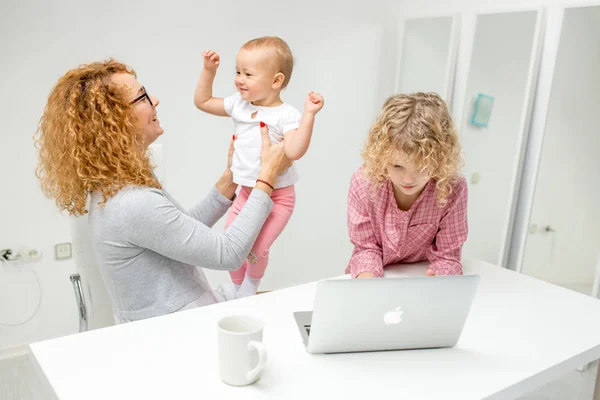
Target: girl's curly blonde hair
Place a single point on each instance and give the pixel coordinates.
(86, 139)
(419, 125)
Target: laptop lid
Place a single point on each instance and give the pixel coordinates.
(390, 313)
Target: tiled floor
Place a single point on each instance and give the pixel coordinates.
(18, 381)
(574, 386)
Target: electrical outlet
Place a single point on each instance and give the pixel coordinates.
(63, 251)
(30, 255)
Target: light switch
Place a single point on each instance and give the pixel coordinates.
(475, 178)
(63, 251)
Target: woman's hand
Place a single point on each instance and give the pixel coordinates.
(230, 155)
(225, 184)
(273, 161)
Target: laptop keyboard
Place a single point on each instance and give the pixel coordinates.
(307, 327)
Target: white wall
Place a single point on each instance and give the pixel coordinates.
(30, 57)
(470, 7)
(567, 191)
(346, 54)
(426, 43)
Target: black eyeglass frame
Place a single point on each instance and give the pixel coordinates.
(141, 97)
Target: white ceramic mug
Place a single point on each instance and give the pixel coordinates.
(242, 355)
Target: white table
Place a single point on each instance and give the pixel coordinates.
(521, 334)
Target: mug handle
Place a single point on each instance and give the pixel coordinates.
(262, 359)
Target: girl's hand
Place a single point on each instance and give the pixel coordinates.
(430, 272)
(211, 60)
(366, 275)
(314, 103)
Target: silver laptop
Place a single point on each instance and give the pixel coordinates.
(352, 315)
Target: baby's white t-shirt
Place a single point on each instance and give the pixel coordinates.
(246, 157)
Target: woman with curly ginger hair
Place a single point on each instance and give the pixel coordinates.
(408, 202)
(92, 143)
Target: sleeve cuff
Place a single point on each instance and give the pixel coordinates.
(290, 127)
(219, 198)
(264, 198)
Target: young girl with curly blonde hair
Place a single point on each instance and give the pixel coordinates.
(408, 202)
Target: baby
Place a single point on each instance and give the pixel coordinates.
(263, 69)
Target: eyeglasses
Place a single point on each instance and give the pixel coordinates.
(141, 97)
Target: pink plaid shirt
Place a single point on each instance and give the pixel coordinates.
(382, 234)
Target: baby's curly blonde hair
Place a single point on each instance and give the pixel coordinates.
(86, 139)
(419, 125)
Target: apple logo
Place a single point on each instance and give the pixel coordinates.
(393, 317)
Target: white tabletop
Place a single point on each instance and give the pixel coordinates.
(521, 333)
